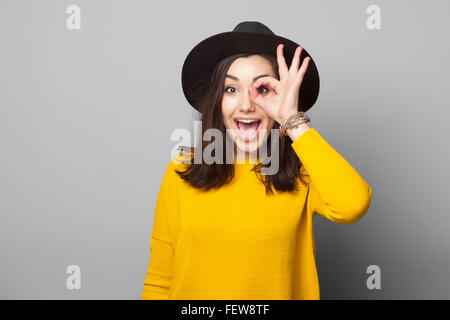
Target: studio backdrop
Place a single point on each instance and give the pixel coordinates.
(91, 94)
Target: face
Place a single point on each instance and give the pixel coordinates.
(246, 122)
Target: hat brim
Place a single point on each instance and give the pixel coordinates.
(202, 59)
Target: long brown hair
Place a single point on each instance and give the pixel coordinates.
(207, 176)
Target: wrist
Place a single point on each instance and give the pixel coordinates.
(283, 119)
(293, 121)
(297, 131)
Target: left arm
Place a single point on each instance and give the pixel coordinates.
(337, 191)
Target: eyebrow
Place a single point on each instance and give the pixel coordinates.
(237, 79)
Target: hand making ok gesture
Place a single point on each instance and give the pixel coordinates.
(284, 102)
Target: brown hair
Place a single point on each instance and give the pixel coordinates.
(207, 176)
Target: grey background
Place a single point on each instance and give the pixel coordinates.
(86, 117)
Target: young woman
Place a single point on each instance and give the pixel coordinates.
(225, 230)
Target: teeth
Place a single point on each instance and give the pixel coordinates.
(247, 121)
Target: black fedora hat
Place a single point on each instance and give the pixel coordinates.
(246, 37)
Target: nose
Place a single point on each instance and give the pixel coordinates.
(247, 104)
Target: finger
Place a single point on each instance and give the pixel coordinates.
(258, 98)
(282, 67)
(270, 82)
(302, 71)
(296, 60)
(304, 66)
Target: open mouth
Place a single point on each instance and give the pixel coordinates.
(247, 130)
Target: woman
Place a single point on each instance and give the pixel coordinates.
(225, 230)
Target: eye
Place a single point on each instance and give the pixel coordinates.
(226, 89)
(264, 88)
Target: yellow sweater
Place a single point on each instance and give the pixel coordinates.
(236, 242)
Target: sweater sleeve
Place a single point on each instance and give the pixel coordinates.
(336, 190)
(159, 275)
